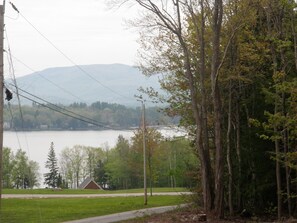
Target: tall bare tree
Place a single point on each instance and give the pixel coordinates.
(170, 17)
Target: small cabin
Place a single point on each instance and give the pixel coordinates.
(89, 183)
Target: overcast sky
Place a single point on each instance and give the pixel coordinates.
(86, 31)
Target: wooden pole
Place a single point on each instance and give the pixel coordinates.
(144, 153)
(1, 98)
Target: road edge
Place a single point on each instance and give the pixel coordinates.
(128, 214)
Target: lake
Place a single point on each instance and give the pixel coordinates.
(37, 143)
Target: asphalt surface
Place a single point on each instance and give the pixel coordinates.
(128, 215)
(28, 196)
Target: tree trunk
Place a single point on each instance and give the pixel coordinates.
(203, 151)
(285, 131)
(288, 181)
(278, 178)
(238, 152)
(230, 172)
(219, 159)
(204, 120)
(270, 25)
(77, 181)
(293, 24)
(175, 26)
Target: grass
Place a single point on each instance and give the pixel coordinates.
(59, 210)
(74, 191)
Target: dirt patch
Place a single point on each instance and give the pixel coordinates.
(177, 216)
(192, 214)
(184, 215)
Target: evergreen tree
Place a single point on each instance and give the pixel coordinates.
(61, 183)
(51, 178)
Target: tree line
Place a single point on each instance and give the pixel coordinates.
(230, 74)
(18, 171)
(170, 163)
(98, 115)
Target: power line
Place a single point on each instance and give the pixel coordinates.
(39, 74)
(64, 113)
(12, 74)
(53, 106)
(67, 57)
(12, 119)
(74, 115)
(11, 68)
(60, 109)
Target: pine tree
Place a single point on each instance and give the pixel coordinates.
(51, 178)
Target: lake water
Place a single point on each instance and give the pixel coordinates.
(36, 144)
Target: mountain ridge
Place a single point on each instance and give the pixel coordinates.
(112, 83)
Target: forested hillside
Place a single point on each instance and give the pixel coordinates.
(80, 116)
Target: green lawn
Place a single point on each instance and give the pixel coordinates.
(73, 191)
(59, 210)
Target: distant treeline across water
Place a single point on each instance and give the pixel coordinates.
(80, 116)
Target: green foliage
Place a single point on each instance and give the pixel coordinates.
(169, 162)
(118, 168)
(51, 178)
(7, 165)
(258, 106)
(18, 170)
(40, 118)
(257, 82)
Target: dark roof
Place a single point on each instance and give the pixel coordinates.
(86, 182)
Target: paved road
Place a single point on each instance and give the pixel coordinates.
(127, 215)
(28, 196)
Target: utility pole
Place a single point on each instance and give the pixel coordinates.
(1, 96)
(144, 153)
(144, 147)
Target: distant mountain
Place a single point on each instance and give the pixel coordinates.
(113, 83)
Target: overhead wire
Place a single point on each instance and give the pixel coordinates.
(49, 105)
(65, 56)
(64, 113)
(52, 107)
(12, 74)
(53, 83)
(12, 119)
(11, 68)
(59, 109)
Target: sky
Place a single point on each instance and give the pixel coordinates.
(85, 31)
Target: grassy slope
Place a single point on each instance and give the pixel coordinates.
(59, 210)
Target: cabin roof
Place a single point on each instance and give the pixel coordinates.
(87, 181)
